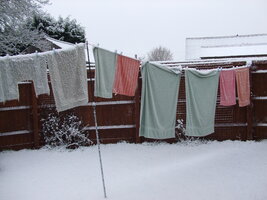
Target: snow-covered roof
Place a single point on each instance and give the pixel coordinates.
(59, 43)
(226, 46)
(215, 61)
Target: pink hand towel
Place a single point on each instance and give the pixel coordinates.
(126, 76)
(227, 88)
(243, 86)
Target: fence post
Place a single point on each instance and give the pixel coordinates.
(250, 112)
(35, 122)
(137, 110)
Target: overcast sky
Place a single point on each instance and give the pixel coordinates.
(136, 26)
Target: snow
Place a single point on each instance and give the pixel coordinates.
(61, 44)
(238, 45)
(188, 170)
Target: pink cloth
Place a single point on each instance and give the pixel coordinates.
(243, 86)
(227, 88)
(126, 76)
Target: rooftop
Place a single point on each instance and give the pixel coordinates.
(254, 45)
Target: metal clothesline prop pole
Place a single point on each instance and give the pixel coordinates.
(96, 129)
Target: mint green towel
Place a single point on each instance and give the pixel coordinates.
(105, 64)
(159, 98)
(201, 96)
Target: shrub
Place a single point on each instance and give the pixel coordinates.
(64, 130)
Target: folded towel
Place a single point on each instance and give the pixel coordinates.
(158, 101)
(105, 63)
(126, 76)
(21, 68)
(243, 86)
(201, 95)
(68, 75)
(227, 88)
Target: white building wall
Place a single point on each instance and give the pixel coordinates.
(196, 48)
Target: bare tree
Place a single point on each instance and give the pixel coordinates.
(13, 32)
(14, 11)
(159, 54)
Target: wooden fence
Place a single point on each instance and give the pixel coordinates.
(118, 118)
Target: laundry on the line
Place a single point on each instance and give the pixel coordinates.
(67, 68)
(201, 96)
(243, 86)
(160, 86)
(114, 73)
(227, 88)
(68, 77)
(14, 69)
(118, 74)
(126, 76)
(105, 65)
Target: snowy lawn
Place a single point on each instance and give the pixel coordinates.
(214, 170)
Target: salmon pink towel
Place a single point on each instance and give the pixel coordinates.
(227, 88)
(126, 76)
(243, 86)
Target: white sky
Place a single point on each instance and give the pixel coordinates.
(137, 26)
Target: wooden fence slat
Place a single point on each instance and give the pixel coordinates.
(249, 135)
(35, 120)
(137, 111)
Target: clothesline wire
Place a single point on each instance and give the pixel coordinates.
(96, 128)
(111, 51)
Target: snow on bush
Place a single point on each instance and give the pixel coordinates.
(64, 131)
(180, 129)
(181, 137)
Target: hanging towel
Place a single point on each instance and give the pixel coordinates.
(227, 88)
(201, 95)
(67, 70)
(105, 62)
(21, 68)
(126, 76)
(2, 95)
(243, 86)
(2, 67)
(158, 101)
(41, 86)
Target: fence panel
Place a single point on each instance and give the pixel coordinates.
(118, 118)
(16, 121)
(259, 99)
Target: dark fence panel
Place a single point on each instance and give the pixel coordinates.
(259, 98)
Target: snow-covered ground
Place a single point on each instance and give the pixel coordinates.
(214, 170)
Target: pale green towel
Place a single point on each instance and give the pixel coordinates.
(105, 65)
(160, 86)
(201, 96)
